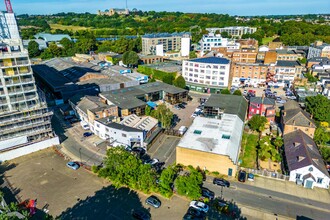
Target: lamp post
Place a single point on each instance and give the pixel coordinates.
(80, 155)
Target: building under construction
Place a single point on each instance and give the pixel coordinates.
(25, 124)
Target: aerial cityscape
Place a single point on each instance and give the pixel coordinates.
(164, 110)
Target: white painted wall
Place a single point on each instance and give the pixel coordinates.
(206, 74)
(185, 46)
(9, 155)
(160, 50)
(316, 173)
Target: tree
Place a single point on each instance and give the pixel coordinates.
(267, 151)
(168, 78)
(192, 55)
(123, 168)
(166, 181)
(148, 110)
(225, 91)
(277, 142)
(164, 115)
(311, 78)
(180, 82)
(237, 92)
(130, 58)
(189, 185)
(321, 136)
(33, 48)
(319, 107)
(325, 152)
(257, 123)
(225, 35)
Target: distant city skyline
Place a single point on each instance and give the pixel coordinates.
(233, 7)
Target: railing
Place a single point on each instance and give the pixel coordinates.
(267, 173)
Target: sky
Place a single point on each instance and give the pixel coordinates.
(231, 7)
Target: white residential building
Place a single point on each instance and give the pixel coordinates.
(209, 72)
(287, 71)
(304, 162)
(212, 40)
(118, 133)
(235, 31)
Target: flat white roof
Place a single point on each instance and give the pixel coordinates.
(217, 136)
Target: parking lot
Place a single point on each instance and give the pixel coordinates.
(79, 194)
(164, 149)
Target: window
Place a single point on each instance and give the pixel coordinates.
(319, 180)
(197, 131)
(123, 135)
(298, 175)
(97, 125)
(107, 129)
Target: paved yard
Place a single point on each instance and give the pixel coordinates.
(164, 149)
(79, 194)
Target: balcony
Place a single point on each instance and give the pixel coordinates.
(4, 55)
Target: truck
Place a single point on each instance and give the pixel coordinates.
(182, 130)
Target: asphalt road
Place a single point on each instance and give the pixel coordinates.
(271, 201)
(73, 142)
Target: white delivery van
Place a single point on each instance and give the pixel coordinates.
(182, 130)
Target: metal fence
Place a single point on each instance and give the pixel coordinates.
(267, 173)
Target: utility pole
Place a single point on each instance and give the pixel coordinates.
(126, 4)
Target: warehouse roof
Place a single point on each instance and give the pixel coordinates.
(230, 104)
(127, 98)
(216, 136)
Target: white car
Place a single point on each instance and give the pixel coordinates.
(201, 206)
(152, 161)
(193, 115)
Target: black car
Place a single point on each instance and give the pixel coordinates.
(141, 215)
(181, 106)
(139, 151)
(153, 201)
(221, 182)
(242, 176)
(87, 134)
(193, 213)
(206, 193)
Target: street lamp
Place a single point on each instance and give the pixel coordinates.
(80, 155)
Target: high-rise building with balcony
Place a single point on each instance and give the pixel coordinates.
(25, 121)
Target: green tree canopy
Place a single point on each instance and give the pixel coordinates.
(166, 181)
(130, 58)
(192, 55)
(237, 92)
(319, 107)
(189, 185)
(164, 115)
(180, 82)
(321, 136)
(257, 123)
(267, 151)
(225, 91)
(33, 48)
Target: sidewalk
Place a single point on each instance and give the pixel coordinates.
(287, 187)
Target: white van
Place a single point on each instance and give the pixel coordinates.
(84, 125)
(182, 130)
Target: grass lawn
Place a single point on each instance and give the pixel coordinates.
(67, 27)
(266, 40)
(248, 153)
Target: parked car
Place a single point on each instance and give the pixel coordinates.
(68, 117)
(194, 115)
(221, 182)
(141, 215)
(74, 120)
(241, 176)
(152, 162)
(201, 206)
(189, 216)
(182, 106)
(206, 193)
(73, 165)
(251, 177)
(177, 107)
(195, 213)
(139, 151)
(153, 201)
(87, 134)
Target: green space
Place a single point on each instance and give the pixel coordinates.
(248, 154)
(266, 40)
(67, 27)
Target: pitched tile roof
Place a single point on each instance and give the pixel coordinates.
(260, 100)
(301, 151)
(294, 115)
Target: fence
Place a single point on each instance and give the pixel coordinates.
(267, 173)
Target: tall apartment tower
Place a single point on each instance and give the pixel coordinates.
(25, 124)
